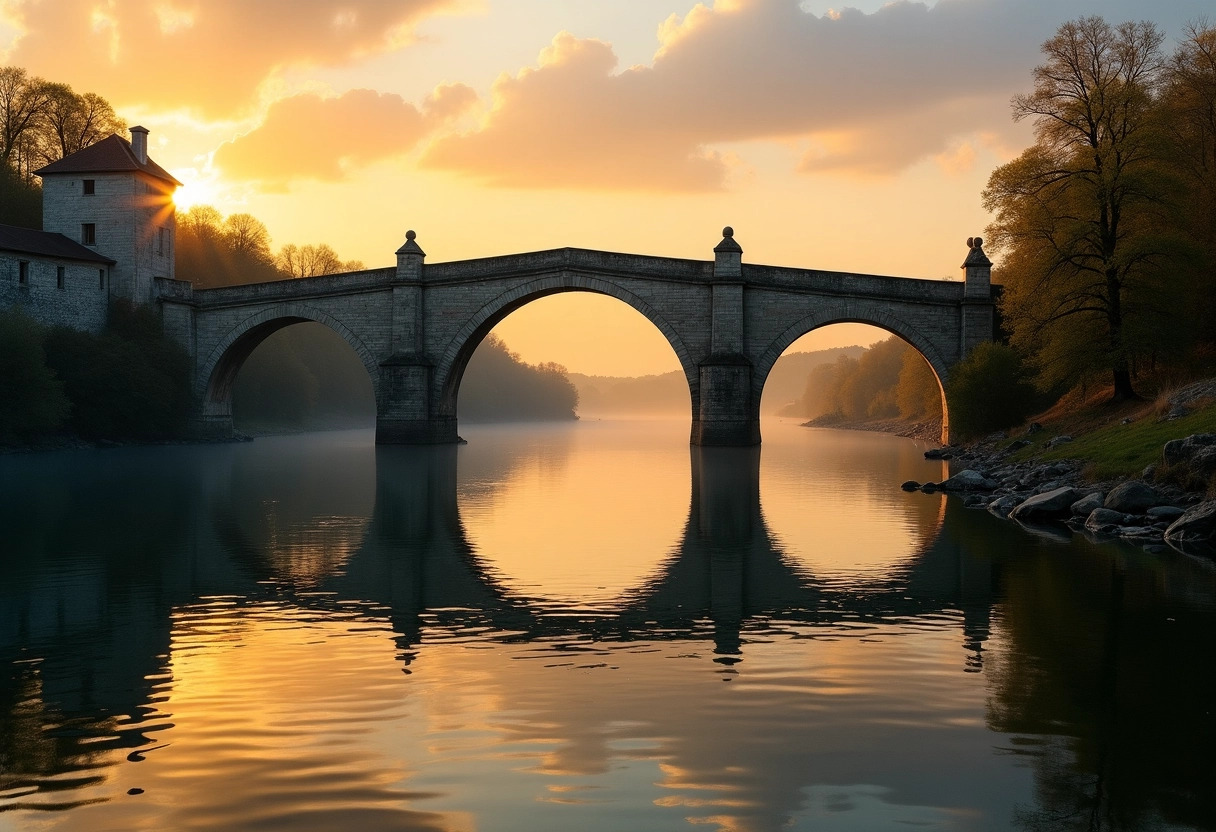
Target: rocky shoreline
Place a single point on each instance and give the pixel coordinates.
(1039, 495)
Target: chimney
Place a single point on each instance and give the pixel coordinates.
(139, 143)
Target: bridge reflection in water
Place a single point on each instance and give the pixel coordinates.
(125, 577)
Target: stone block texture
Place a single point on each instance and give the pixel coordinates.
(415, 330)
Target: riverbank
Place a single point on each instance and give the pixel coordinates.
(929, 430)
(1144, 472)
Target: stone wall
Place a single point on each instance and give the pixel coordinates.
(128, 210)
(82, 303)
(416, 327)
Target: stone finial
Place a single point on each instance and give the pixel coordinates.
(728, 257)
(975, 253)
(977, 271)
(409, 258)
(411, 247)
(728, 241)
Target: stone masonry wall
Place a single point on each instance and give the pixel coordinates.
(127, 210)
(82, 303)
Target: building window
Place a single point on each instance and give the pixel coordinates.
(59, 277)
(89, 186)
(101, 278)
(23, 272)
(160, 246)
(88, 233)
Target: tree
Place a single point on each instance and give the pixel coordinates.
(309, 260)
(989, 390)
(1082, 213)
(72, 122)
(1189, 104)
(918, 394)
(247, 236)
(23, 100)
(31, 397)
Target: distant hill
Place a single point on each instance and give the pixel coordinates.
(667, 394)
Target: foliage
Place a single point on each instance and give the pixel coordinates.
(989, 390)
(498, 387)
(20, 201)
(887, 380)
(32, 401)
(918, 394)
(1189, 115)
(312, 261)
(214, 250)
(1088, 216)
(130, 382)
(41, 121)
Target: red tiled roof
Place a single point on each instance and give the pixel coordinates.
(112, 154)
(46, 244)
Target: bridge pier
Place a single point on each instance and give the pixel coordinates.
(725, 415)
(404, 412)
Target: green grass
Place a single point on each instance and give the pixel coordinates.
(1122, 450)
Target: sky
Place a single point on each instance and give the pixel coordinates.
(850, 138)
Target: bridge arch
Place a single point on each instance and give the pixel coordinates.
(218, 372)
(455, 358)
(880, 318)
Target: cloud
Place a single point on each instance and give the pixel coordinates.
(310, 136)
(571, 122)
(208, 56)
(872, 93)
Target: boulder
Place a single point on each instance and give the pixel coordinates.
(1058, 441)
(928, 487)
(1048, 505)
(938, 453)
(1170, 513)
(1183, 451)
(1195, 529)
(968, 480)
(1133, 497)
(1085, 505)
(1102, 520)
(1033, 427)
(910, 485)
(1001, 506)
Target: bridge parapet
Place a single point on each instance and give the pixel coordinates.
(569, 259)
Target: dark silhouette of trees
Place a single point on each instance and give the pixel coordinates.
(41, 122)
(989, 390)
(1085, 217)
(499, 387)
(32, 401)
(72, 122)
(214, 250)
(1189, 104)
(313, 261)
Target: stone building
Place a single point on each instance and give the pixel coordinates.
(109, 231)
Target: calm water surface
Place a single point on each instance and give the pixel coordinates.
(580, 626)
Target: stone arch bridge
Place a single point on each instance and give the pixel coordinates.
(416, 326)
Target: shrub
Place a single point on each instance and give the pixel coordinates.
(32, 401)
(989, 390)
(128, 383)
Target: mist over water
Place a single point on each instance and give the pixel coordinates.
(584, 625)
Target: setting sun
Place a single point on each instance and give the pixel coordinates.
(195, 191)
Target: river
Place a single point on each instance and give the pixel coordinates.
(581, 626)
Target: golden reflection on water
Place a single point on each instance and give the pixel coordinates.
(326, 647)
(831, 498)
(577, 518)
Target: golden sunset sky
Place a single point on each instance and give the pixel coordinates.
(842, 138)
